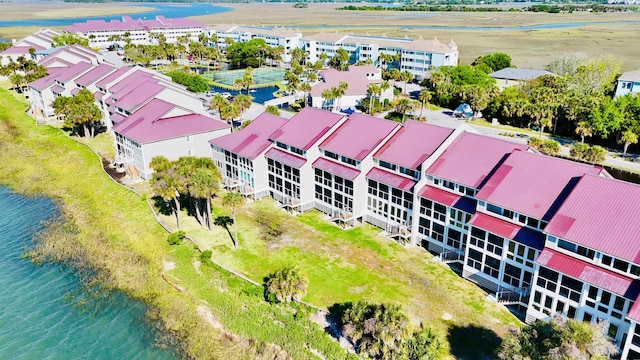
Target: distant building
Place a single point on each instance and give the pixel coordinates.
(515, 76)
(101, 34)
(628, 83)
(357, 78)
(287, 38)
(417, 56)
(39, 41)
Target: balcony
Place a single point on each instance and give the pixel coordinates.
(513, 296)
(450, 256)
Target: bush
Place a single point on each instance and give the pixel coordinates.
(579, 150)
(176, 237)
(205, 256)
(550, 147)
(593, 154)
(287, 284)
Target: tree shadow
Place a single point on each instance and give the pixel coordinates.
(162, 206)
(224, 221)
(473, 342)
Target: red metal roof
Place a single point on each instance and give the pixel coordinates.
(355, 76)
(533, 184)
(75, 91)
(336, 169)
(601, 214)
(151, 123)
(470, 159)
(112, 77)
(253, 139)
(634, 312)
(438, 195)
(358, 136)
(138, 95)
(394, 180)
(57, 89)
(95, 74)
(306, 127)
(584, 271)
(285, 158)
(412, 144)
(508, 230)
(73, 71)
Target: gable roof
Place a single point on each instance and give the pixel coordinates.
(306, 127)
(94, 74)
(128, 23)
(601, 214)
(151, 123)
(46, 81)
(355, 77)
(112, 77)
(253, 139)
(633, 75)
(73, 71)
(138, 94)
(519, 74)
(358, 136)
(413, 144)
(470, 159)
(533, 184)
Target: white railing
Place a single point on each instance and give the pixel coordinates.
(513, 296)
(449, 256)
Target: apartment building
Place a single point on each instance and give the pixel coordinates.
(240, 156)
(289, 39)
(102, 34)
(417, 56)
(41, 40)
(542, 235)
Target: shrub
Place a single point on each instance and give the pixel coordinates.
(550, 147)
(579, 150)
(593, 154)
(287, 284)
(205, 256)
(176, 237)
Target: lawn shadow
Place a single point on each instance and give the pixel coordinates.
(224, 221)
(473, 342)
(162, 206)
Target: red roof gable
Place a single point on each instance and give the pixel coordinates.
(438, 195)
(634, 312)
(533, 184)
(306, 127)
(150, 123)
(336, 169)
(94, 74)
(412, 144)
(591, 274)
(470, 159)
(112, 77)
(394, 180)
(508, 230)
(355, 77)
(358, 136)
(253, 139)
(139, 95)
(601, 214)
(285, 158)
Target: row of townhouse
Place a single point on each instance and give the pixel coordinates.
(39, 41)
(148, 114)
(543, 235)
(417, 56)
(103, 34)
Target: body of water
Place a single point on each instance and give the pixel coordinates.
(41, 316)
(166, 10)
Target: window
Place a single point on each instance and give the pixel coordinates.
(547, 279)
(474, 259)
(189, 138)
(492, 267)
(570, 288)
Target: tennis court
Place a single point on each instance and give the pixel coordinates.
(260, 76)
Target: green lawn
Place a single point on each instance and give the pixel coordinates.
(348, 265)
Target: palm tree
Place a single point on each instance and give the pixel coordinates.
(233, 200)
(405, 77)
(243, 101)
(246, 80)
(424, 97)
(166, 183)
(584, 129)
(287, 284)
(372, 90)
(628, 137)
(218, 102)
(404, 105)
(340, 90)
(229, 112)
(306, 87)
(328, 95)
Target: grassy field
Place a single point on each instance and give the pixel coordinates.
(348, 265)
